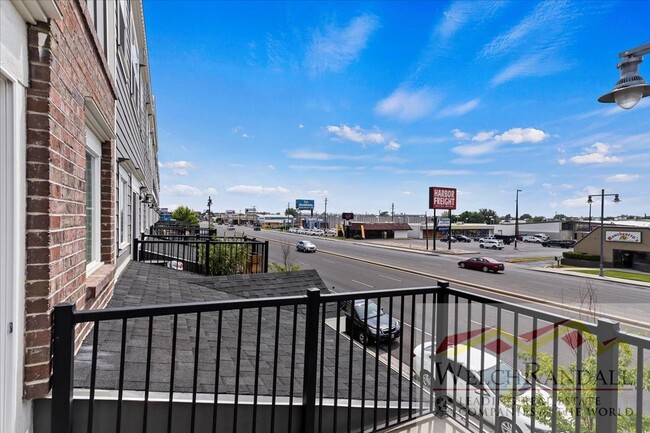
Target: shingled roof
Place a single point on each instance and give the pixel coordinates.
(146, 284)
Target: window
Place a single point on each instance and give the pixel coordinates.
(93, 203)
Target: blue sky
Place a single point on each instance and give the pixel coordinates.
(371, 103)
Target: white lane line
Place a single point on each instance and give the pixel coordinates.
(390, 278)
(329, 261)
(363, 284)
(303, 264)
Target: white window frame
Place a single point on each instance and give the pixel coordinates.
(97, 131)
(94, 150)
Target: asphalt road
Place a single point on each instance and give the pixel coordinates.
(351, 266)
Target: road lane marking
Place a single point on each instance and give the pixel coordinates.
(389, 278)
(329, 261)
(363, 284)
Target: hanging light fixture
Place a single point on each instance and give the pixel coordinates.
(631, 87)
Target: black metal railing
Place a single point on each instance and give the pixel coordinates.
(204, 255)
(293, 364)
(170, 228)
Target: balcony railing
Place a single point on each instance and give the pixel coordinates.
(291, 364)
(203, 254)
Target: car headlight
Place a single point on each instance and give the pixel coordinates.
(372, 330)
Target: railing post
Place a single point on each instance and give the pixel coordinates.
(63, 367)
(311, 361)
(607, 376)
(207, 258)
(136, 241)
(266, 257)
(441, 345)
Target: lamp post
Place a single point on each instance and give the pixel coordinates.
(517, 217)
(631, 87)
(209, 212)
(590, 201)
(602, 219)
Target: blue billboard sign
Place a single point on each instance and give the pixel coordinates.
(304, 204)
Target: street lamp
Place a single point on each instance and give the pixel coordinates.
(590, 201)
(602, 218)
(517, 217)
(209, 212)
(631, 87)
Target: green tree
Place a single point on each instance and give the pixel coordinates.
(291, 211)
(525, 216)
(186, 215)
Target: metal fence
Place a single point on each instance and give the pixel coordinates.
(296, 364)
(203, 255)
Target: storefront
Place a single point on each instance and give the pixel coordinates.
(623, 247)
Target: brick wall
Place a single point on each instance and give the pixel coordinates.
(65, 67)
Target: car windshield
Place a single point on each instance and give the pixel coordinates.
(372, 310)
(503, 379)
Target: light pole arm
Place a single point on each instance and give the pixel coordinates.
(638, 51)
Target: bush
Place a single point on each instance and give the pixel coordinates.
(357, 237)
(227, 259)
(581, 256)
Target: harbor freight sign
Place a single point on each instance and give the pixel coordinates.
(442, 198)
(304, 204)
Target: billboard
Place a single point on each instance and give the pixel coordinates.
(444, 222)
(302, 204)
(442, 198)
(230, 212)
(623, 236)
(250, 210)
(347, 216)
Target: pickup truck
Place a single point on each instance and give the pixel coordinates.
(559, 243)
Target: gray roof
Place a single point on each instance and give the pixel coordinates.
(145, 284)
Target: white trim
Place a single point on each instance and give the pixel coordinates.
(33, 11)
(96, 121)
(13, 412)
(93, 147)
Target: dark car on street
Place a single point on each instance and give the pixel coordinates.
(559, 243)
(377, 327)
(484, 264)
(446, 239)
(463, 238)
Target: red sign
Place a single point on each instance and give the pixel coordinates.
(442, 198)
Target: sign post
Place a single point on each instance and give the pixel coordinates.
(442, 198)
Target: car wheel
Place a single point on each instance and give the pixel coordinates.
(481, 246)
(462, 265)
(426, 379)
(494, 247)
(485, 269)
(363, 338)
(505, 426)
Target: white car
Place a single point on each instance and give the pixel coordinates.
(494, 244)
(465, 379)
(532, 239)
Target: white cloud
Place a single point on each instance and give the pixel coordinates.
(598, 153)
(319, 167)
(257, 190)
(575, 202)
(523, 135)
(356, 134)
(408, 105)
(407, 193)
(392, 145)
(318, 193)
(301, 126)
(460, 134)
(461, 13)
(177, 167)
(336, 48)
(484, 136)
(622, 178)
(561, 161)
(459, 110)
(244, 135)
(475, 149)
(323, 156)
(540, 64)
(181, 190)
(211, 191)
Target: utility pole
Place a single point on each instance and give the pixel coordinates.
(209, 212)
(326, 226)
(517, 217)
(392, 212)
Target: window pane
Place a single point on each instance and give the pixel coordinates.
(89, 207)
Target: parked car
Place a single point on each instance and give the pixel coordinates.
(231, 227)
(477, 374)
(494, 244)
(484, 264)
(306, 247)
(533, 239)
(463, 238)
(446, 239)
(257, 228)
(559, 243)
(378, 327)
